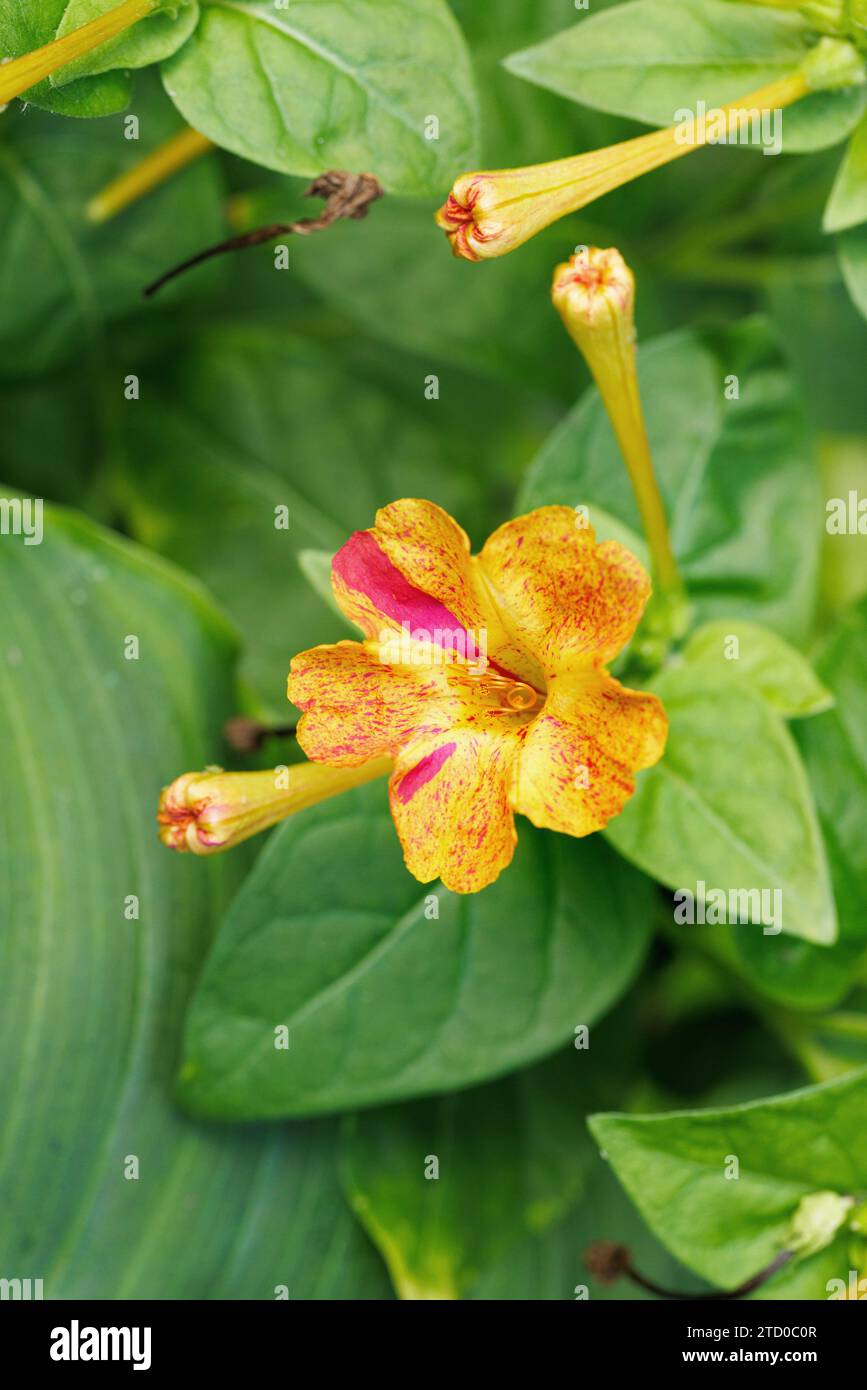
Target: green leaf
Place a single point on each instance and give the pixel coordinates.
(674, 1168)
(312, 87)
(738, 477)
(25, 27)
(649, 58)
(794, 973)
(835, 752)
(61, 278)
(152, 39)
(729, 805)
(847, 205)
(445, 1187)
(394, 274)
(315, 565)
(255, 407)
(826, 341)
(763, 662)
(522, 124)
(549, 1266)
(331, 937)
(852, 251)
(833, 1044)
(50, 448)
(94, 997)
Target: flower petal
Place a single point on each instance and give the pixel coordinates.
(574, 602)
(356, 707)
(414, 571)
(574, 770)
(360, 702)
(450, 803)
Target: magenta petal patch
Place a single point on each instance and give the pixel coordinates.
(417, 776)
(362, 566)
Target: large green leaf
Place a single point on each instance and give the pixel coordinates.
(795, 973)
(521, 123)
(445, 1187)
(835, 752)
(25, 27)
(395, 274)
(674, 1168)
(650, 58)
(852, 250)
(93, 997)
(825, 339)
(50, 446)
(847, 205)
(247, 423)
(738, 475)
(152, 39)
(760, 660)
(729, 805)
(331, 938)
(549, 1266)
(309, 87)
(62, 279)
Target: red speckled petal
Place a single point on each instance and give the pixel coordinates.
(450, 803)
(572, 602)
(355, 707)
(413, 570)
(574, 770)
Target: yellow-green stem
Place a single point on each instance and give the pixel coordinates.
(25, 72)
(182, 149)
(618, 388)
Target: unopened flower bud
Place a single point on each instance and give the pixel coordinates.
(491, 212)
(816, 1222)
(205, 812)
(594, 293)
(833, 65)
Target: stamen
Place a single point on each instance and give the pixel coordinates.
(522, 696)
(514, 694)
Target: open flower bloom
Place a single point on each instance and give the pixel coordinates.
(491, 212)
(484, 679)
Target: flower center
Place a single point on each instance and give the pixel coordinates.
(510, 695)
(457, 214)
(520, 696)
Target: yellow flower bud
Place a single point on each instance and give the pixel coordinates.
(492, 212)
(594, 293)
(205, 812)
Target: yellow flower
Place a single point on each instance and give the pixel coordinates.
(491, 212)
(205, 812)
(484, 679)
